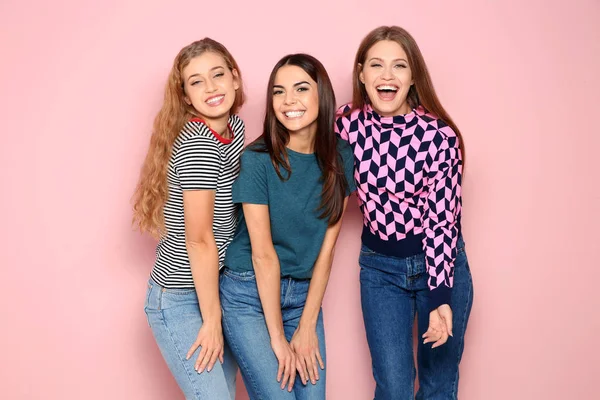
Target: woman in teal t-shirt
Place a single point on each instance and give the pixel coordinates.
(293, 184)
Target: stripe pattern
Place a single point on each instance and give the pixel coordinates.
(201, 159)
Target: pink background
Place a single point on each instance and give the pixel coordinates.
(80, 84)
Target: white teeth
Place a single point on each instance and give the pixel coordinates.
(215, 99)
(387, 87)
(294, 114)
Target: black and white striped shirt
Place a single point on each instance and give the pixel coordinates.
(201, 159)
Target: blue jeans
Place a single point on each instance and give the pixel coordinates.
(392, 291)
(246, 331)
(174, 316)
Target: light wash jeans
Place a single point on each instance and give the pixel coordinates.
(246, 331)
(174, 316)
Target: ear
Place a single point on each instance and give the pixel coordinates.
(236, 79)
(361, 75)
(187, 100)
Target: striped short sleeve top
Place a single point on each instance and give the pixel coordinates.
(201, 159)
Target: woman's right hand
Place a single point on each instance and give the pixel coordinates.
(286, 373)
(210, 341)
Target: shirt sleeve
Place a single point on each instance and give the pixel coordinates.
(339, 128)
(197, 162)
(251, 185)
(348, 163)
(440, 220)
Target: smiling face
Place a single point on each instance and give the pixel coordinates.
(210, 86)
(295, 99)
(387, 77)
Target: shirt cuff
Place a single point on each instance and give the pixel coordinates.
(438, 296)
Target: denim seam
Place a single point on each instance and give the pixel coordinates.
(287, 293)
(178, 353)
(461, 345)
(414, 371)
(241, 362)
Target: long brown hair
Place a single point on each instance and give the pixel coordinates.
(152, 190)
(275, 137)
(421, 93)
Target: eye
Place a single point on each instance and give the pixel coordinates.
(220, 74)
(195, 83)
(302, 89)
(277, 91)
(374, 65)
(400, 66)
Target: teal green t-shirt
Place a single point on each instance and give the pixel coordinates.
(296, 229)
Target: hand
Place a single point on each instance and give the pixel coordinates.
(305, 344)
(286, 374)
(440, 326)
(210, 340)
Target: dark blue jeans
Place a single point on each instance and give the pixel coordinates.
(392, 291)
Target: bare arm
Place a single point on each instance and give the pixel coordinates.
(266, 266)
(268, 279)
(305, 341)
(203, 254)
(320, 276)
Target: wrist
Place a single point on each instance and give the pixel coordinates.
(307, 324)
(278, 337)
(212, 318)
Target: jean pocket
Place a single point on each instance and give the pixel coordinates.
(239, 276)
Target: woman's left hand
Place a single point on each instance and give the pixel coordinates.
(305, 344)
(440, 326)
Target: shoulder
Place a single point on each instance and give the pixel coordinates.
(442, 135)
(432, 122)
(237, 124)
(344, 149)
(195, 131)
(253, 156)
(347, 113)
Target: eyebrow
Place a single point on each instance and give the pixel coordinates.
(212, 69)
(379, 59)
(295, 84)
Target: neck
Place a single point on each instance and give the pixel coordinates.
(303, 141)
(404, 109)
(219, 125)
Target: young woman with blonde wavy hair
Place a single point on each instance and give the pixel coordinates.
(184, 198)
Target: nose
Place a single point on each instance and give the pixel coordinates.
(210, 86)
(289, 98)
(387, 74)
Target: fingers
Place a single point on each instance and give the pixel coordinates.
(289, 373)
(443, 337)
(203, 359)
(213, 359)
(301, 367)
(192, 349)
(221, 355)
(313, 371)
(280, 373)
(431, 335)
(203, 351)
(292, 376)
(320, 359)
(286, 372)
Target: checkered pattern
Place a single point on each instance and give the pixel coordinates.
(408, 172)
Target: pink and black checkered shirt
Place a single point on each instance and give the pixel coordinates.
(408, 171)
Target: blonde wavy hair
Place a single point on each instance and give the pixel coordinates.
(151, 192)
